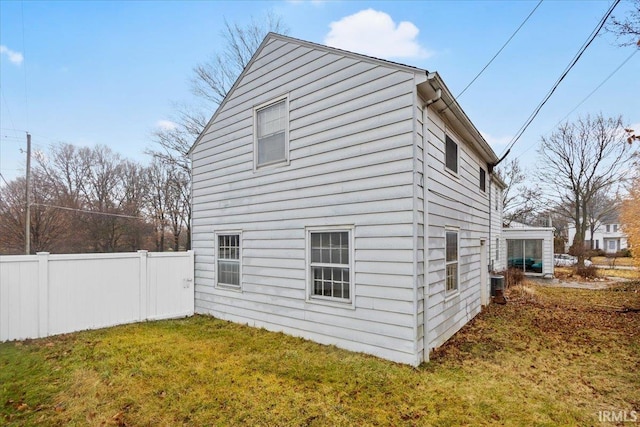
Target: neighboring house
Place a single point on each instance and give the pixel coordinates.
(344, 199)
(607, 236)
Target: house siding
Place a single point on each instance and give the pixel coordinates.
(352, 162)
(496, 258)
(453, 201)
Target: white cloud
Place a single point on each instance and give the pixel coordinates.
(15, 57)
(496, 141)
(166, 124)
(374, 33)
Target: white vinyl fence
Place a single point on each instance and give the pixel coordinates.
(43, 294)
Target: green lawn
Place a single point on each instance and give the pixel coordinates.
(549, 357)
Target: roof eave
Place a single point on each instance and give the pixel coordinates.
(447, 106)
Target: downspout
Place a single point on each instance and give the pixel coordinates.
(425, 210)
(490, 244)
(414, 214)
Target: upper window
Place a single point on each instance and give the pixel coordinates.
(271, 133)
(615, 228)
(228, 263)
(330, 264)
(451, 154)
(483, 180)
(451, 251)
(608, 228)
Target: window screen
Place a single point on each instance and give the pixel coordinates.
(229, 259)
(271, 134)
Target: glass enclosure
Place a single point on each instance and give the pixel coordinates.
(525, 254)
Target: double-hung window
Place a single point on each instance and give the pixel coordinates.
(451, 155)
(330, 264)
(483, 180)
(451, 253)
(271, 126)
(228, 251)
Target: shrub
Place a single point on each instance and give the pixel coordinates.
(624, 253)
(512, 276)
(595, 252)
(589, 272)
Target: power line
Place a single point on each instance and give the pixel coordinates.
(585, 98)
(597, 87)
(573, 62)
(86, 211)
(5, 181)
(501, 49)
(494, 57)
(11, 128)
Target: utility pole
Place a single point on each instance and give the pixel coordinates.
(27, 221)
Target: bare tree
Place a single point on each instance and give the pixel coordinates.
(579, 160)
(520, 201)
(213, 79)
(47, 225)
(210, 83)
(627, 29)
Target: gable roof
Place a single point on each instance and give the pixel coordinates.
(273, 36)
(448, 104)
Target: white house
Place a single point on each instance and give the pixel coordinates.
(344, 199)
(607, 236)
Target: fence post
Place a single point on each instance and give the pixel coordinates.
(143, 285)
(4, 308)
(192, 273)
(43, 294)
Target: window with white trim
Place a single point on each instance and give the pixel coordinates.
(483, 180)
(271, 133)
(451, 252)
(228, 264)
(330, 264)
(451, 154)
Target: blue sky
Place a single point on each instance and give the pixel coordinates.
(107, 72)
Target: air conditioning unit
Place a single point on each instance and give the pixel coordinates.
(497, 286)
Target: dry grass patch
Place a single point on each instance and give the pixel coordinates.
(619, 261)
(549, 357)
(622, 274)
